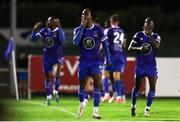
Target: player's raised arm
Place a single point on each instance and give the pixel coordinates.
(35, 33)
(60, 31)
(79, 31)
(61, 35)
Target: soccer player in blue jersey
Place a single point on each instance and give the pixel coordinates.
(117, 42)
(53, 37)
(90, 37)
(145, 43)
(105, 75)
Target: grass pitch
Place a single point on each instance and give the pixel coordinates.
(163, 109)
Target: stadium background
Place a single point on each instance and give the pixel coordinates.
(132, 13)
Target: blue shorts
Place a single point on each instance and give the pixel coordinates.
(86, 70)
(48, 62)
(118, 65)
(23, 76)
(146, 71)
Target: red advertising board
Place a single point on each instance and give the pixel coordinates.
(69, 75)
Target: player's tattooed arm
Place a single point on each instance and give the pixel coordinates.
(155, 43)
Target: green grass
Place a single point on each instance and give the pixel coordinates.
(35, 110)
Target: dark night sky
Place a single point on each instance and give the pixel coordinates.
(166, 6)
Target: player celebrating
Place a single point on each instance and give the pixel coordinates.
(90, 37)
(117, 43)
(145, 44)
(53, 37)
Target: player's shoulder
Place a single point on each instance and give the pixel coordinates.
(121, 30)
(155, 34)
(43, 30)
(139, 33)
(98, 27)
(76, 28)
(107, 30)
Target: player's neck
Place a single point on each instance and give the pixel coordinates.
(52, 28)
(114, 26)
(148, 34)
(89, 25)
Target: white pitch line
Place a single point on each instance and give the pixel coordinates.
(55, 107)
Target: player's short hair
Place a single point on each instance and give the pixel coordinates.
(149, 20)
(91, 11)
(51, 18)
(115, 18)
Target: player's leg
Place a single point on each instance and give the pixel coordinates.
(114, 89)
(118, 71)
(151, 94)
(134, 94)
(119, 86)
(48, 87)
(47, 72)
(83, 74)
(123, 92)
(56, 74)
(121, 69)
(105, 85)
(25, 81)
(97, 94)
(88, 89)
(20, 83)
(81, 95)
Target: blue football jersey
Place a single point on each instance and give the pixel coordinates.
(148, 59)
(90, 44)
(52, 40)
(115, 38)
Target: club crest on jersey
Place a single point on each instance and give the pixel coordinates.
(49, 42)
(149, 48)
(88, 43)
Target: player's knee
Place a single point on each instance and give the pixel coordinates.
(117, 76)
(106, 74)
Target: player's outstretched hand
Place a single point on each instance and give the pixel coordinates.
(38, 26)
(57, 22)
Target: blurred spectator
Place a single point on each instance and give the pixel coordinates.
(22, 62)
